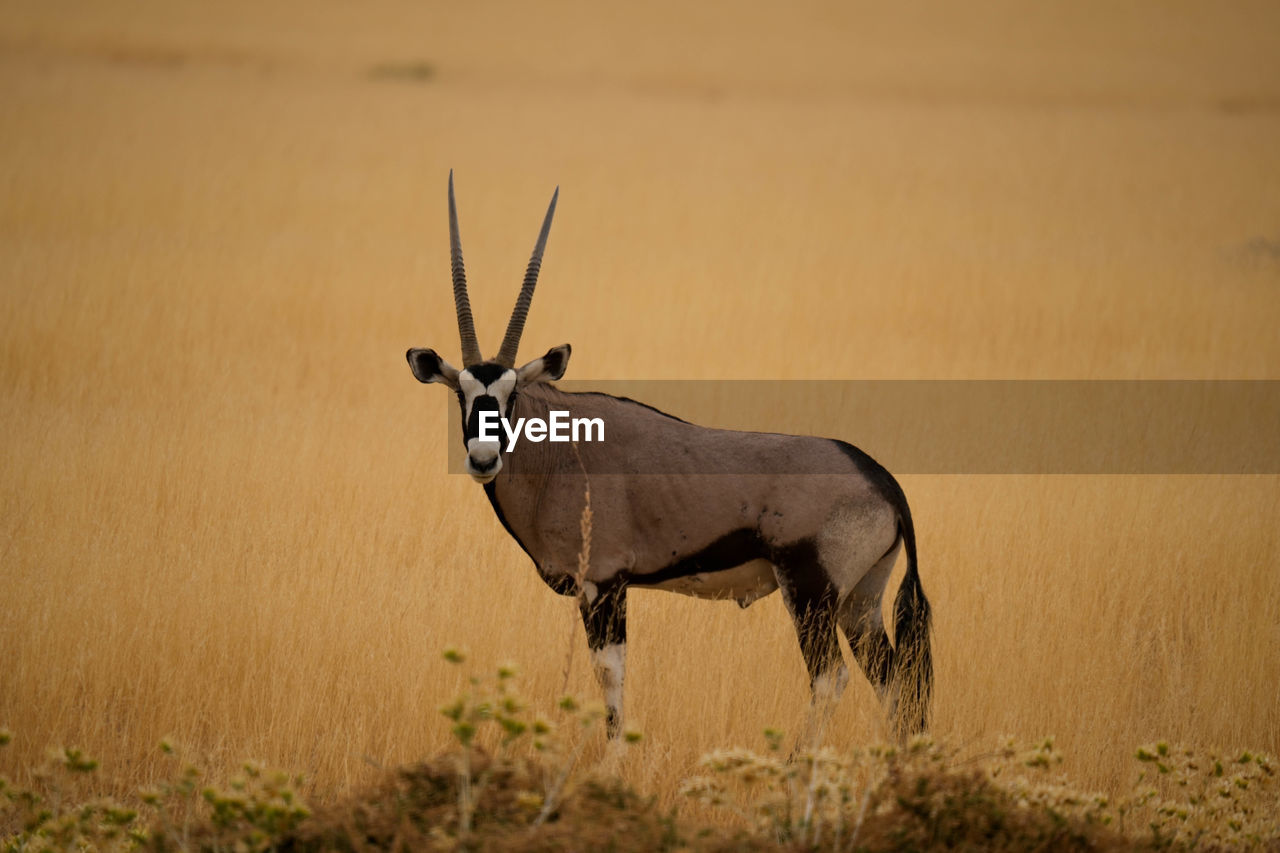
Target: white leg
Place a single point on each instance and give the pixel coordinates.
(609, 664)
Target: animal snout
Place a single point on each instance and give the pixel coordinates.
(484, 459)
(483, 465)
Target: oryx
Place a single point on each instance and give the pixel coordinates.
(706, 512)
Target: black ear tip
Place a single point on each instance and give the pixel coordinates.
(423, 362)
(556, 360)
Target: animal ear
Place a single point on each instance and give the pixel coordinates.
(429, 367)
(548, 368)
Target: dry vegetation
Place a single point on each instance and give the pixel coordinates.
(224, 515)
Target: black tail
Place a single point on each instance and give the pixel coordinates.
(912, 658)
(911, 673)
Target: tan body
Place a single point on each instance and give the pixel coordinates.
(636, 475)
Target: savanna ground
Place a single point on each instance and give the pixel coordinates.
(224, 512)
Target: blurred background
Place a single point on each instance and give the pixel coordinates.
(225, 515)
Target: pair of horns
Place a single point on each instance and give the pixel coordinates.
(466, 327)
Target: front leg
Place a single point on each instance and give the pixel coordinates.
(604, 614)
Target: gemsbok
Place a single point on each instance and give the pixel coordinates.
(711, 513)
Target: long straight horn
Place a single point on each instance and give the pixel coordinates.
(466, 328)
(507, 354)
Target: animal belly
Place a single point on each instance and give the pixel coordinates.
(744, 584)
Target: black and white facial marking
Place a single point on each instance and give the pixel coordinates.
(486, 387)
(483, 388)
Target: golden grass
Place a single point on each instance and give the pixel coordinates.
(224, 515)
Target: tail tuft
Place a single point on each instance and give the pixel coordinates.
(912, 657)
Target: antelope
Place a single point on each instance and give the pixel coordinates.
(711, 513)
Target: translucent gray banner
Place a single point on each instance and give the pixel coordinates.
(943, 427)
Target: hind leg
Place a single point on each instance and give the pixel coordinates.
(811, 599)
(859, 615)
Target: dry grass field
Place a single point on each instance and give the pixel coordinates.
(224, 511)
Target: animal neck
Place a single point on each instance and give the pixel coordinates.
(537, 401)
(544, 457)
(517, 494)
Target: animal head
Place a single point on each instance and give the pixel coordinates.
(488, 385)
